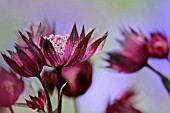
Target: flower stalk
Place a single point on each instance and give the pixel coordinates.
(11, 109)
(165, 80)
(49, 105)
(75, 104)
(60, 84)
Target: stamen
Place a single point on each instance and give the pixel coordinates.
(59, 42)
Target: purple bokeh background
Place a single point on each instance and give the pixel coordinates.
(108, 15)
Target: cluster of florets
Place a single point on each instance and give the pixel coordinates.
(70, 71)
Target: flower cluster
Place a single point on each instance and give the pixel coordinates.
(136, 49)
(62, 62)
(67, 55)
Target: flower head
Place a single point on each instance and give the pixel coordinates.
(27, 61)
(34, 33)
(78, 78)
(37, 102)
(123, 104)
(11, 88)
(133, 55)
(158, 46)
(49, 78)
(70, 49)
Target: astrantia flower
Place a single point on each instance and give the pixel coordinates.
(133, 56)
(123, 104)
(37, 103)
(10, 88)
(35, 33)
(49, 78)
(78, 78)
(70, 49)
(27, 61)
(158, 46)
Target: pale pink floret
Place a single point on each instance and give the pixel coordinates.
(58, 42)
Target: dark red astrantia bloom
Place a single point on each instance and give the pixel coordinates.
(123, 104)
(11, 88)
(133, 56)
(158, 46)
(37, 103)
(78, 78)
(27, 61)
(35, 33)
(70, 49)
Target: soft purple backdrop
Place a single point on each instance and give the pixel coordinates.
(105, 15)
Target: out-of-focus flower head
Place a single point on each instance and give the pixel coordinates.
(49, 78)
(11, 88)
(123, 104)
(26, 61)
(134, 54)
(37, 103)
(68, 50)
(78, 78)
(35, 33)
(158, 46)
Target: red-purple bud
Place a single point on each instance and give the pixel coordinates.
(49, 78)
(37, 103)
(123, 104)
(10, 88)
(78, 78)
(158, 46)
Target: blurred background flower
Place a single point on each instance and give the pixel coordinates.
(108, 15)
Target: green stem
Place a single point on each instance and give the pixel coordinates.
(49, 106)
(60, 84)
(10, 108)
(75, 104)
(43, 109)
(165, 80)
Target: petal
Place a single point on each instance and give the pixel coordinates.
(35, 51)
(122, 63)
(29, 103)
(15, 57)
(41, 95)
(82, 35)
(27, 61)
(80, 49)
(15, 66)
(91, 50)
(49, 52)
(71, 43)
